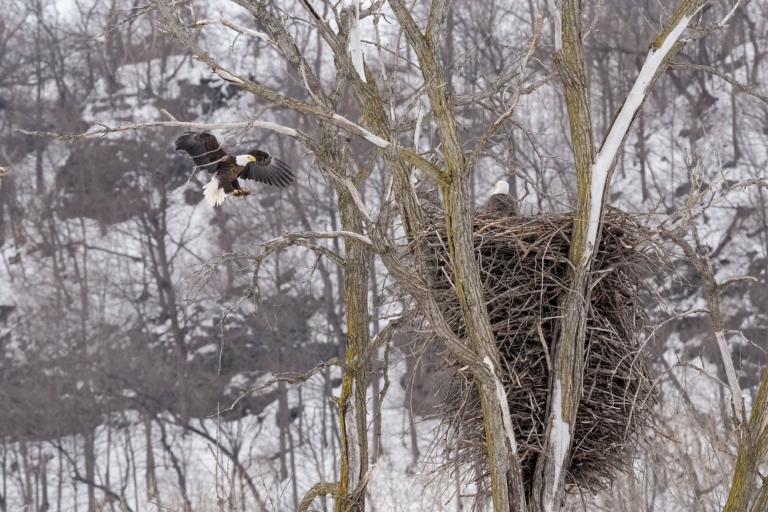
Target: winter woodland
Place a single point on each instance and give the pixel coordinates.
(157, 353)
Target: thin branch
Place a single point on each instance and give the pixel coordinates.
(707, 69)
(727, 283)
(236, 28)
(389, 330)
(290, 378)
(173, 27)
(532, 44)
(322, 234)
(177, 124)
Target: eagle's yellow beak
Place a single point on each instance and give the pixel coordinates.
(251, 158)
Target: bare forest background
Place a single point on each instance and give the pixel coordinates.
(114, 360)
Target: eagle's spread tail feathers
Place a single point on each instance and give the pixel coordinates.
(213, 192)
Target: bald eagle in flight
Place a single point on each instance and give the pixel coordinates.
(256, 165)
(500, 201)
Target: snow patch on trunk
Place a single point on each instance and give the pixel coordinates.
(353, 442)
(355, 41)
(501, 395)
(417, 131)
(559, 440)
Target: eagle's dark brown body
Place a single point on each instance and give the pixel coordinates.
(500, 202)
(257, 165)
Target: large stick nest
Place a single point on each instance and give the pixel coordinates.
(523, 263)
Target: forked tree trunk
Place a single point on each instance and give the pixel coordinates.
(593, 175)
(566, 378)
(505, 472)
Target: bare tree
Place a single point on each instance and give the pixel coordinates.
(376, 112)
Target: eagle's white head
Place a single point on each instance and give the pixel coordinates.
(243, 160)
(501, 187)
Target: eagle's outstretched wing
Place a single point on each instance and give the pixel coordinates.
(267, 169)
(204, 149)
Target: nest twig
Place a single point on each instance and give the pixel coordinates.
(523, 263)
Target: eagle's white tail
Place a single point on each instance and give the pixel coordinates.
(213, 194)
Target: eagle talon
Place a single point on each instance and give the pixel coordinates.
(241, 192)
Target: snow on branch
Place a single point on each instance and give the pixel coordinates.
(104, 130)
(730, 372)
(343, 122)
(560, 435)
(557, 17)
(658, 55)
(700, 259)
(173, 27)
(324, 234)
(237, 28)
(355, 40)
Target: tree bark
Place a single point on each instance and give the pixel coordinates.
(27, 485)
(567, 372)
(593, 175)
(43, 459)
(352, 399)
(375, 388)
(282, 423)
(90, 467)
(506, 476)
(150, 475)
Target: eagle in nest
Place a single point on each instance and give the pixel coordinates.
(255, 165)
(501, 202)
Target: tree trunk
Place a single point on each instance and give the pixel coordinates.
(59, 481)
(151, 475)
(505, 473)
(568, 361)
(593, 175)
(352, 400)
(375, 390)
(90, 467)
(282, 425)
(27, 487)
(3, 494)
(294, 483)
(177, 466)
(43, 469)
